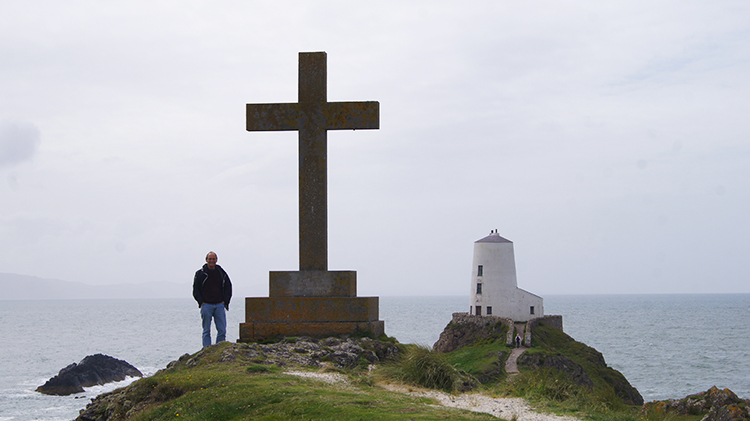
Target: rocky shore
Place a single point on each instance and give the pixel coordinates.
(715, 404)
(295, 356)
(292, 353)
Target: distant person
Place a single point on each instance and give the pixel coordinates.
(212, 289)
(518, 341)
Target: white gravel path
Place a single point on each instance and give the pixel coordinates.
(326, 377)
(505, 408)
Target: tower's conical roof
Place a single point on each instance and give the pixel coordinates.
(494, 237)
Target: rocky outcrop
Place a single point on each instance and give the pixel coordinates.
(298, 352)
(556, 344)
(93, 370)
(304, 351)
(717, 405)
(553, 349)
(558, 362)
(465, 330)
(622, 388)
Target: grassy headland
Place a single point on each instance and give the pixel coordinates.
(225, 382)
(250, 381)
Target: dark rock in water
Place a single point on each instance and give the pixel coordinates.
(93, 370)
(715, 404)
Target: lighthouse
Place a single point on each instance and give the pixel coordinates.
(494, 288)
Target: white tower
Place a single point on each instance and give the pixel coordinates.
(494, 288)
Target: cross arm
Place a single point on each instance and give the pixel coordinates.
(352, 115)
(272, 117)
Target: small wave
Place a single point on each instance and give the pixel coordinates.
(108, 387)
(150, 371)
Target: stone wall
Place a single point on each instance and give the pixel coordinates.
(459, 318)
(465, 329)
(450, 338)
(480, 320)
(552, 321)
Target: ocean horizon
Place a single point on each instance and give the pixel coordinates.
(666, 345)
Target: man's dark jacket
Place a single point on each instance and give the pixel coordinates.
(201, 276)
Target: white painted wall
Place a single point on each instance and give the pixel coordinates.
(499, 284)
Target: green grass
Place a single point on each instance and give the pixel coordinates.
(552, 391)
(610, 385)
(547, 389)
(250, 388)
(421, 366)
(485, 361)
(241, 390)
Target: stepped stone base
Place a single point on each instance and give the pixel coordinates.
(250, 332)
(311, 309)
(313, 283)
(311, 303)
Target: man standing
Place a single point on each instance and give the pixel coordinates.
(212, 289)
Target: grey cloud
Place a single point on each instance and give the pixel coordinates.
(19, 141)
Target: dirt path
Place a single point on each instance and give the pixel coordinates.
(506, 408)
(511, 366)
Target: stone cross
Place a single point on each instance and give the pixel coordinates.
(312, 301)
(313, 116)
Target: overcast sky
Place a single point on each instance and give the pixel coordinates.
(610, 141)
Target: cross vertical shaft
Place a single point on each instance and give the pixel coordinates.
(313, 172)
(313, 116)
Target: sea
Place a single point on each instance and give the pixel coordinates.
(667, 346)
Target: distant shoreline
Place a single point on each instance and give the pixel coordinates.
(25, 287)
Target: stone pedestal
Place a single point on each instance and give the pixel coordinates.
(311, 303)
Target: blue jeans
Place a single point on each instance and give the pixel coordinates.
(220, 319)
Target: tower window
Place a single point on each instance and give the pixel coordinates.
(531, 310)
(479, 288)
(489, 310)
(480, 269)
